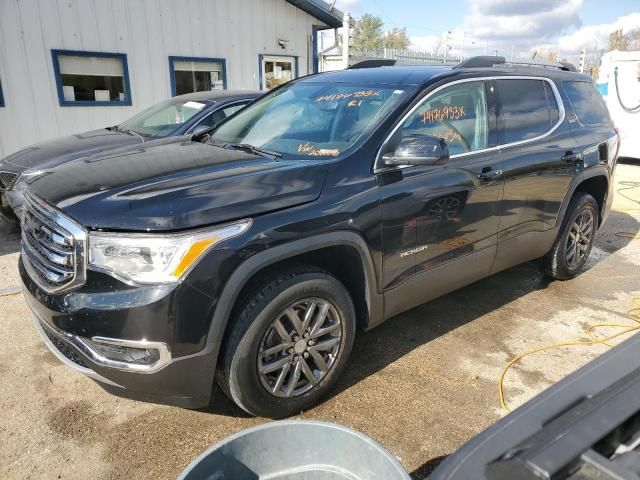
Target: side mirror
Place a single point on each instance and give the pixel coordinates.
(202, 128)
(418, 150)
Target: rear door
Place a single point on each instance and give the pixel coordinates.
(539, 158)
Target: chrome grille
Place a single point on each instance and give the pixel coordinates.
(53, 247)
(7, 179)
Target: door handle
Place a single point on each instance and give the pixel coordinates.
(571, 157)
(489, 175)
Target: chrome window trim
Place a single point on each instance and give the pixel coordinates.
(80, 237)
(380, 167)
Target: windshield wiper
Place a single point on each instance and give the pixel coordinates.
(246, 147)
(132, 133)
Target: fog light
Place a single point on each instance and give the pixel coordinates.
(120, 353)
(140, 356)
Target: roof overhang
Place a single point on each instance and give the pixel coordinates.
(320, 10)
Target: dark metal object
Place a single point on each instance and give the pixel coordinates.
(585, 427)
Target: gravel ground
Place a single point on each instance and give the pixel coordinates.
(421, 384)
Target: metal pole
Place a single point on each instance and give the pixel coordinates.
(346, 24)
(462, 51)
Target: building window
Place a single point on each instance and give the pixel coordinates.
(190, 74)
(91, 78)
(1, 97)
(276, 70)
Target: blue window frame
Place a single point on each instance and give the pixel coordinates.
(194, 74)
(91, 79)
(1, 96)
(267, 69)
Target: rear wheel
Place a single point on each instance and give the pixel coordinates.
(573, 245)
(289, 344)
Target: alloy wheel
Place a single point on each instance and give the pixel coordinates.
(579, 239)
(300, 347)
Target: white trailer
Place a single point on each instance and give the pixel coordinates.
(619, 84)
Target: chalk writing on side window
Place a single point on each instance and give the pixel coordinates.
(309, 149)
(362, 94)
(451, 112)
(448, 135)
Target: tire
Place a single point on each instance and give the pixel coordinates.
(245, 363)
(559, 264)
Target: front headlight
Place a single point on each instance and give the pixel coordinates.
(155, 258)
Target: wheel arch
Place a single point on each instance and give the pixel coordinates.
(597, 186)
(309, 251)
(589, 181)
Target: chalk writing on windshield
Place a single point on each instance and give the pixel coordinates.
(342, 96)
(309, 149)
(451, 112)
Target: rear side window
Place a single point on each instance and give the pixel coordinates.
(528, 109)
(587, 103)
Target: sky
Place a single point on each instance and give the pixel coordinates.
(516, 27)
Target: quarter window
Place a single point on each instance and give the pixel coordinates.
(190, 75)
(587, 103)
(527, 109)
(458, 114)
(91, 78)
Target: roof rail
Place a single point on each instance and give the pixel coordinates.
(383, 62)
(567, 67)
(485, 61)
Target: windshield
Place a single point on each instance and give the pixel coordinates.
(162, 119)
(310, 120)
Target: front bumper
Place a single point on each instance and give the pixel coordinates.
(15, 201)
(185, 381)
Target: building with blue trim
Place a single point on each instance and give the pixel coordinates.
(68, 66)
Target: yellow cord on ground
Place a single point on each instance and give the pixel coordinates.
(634, 315)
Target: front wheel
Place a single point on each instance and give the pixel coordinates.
(575, 240)
(289, 343)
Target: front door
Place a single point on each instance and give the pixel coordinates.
(442, 220)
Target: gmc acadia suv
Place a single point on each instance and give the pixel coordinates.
(252, 255)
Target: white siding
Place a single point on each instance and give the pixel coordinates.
(148, 31)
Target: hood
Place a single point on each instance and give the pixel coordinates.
(175, 186)
(51, 153)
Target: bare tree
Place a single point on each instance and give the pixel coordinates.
(437, 45)
(618, 41)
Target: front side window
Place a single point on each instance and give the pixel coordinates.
(587, 103)
(91, 78)
(527, 109)
(276, 70)
(310, 120)
(190, 75)
(162, 119)
(458, 114)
